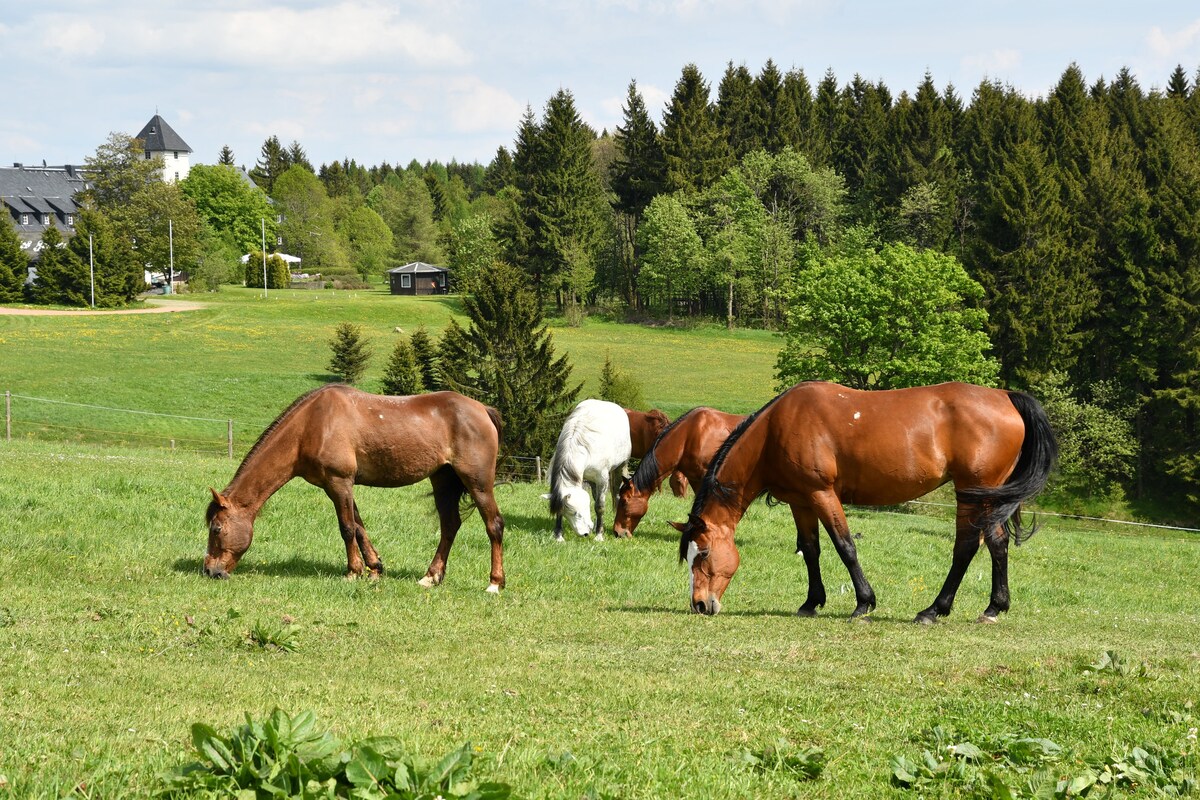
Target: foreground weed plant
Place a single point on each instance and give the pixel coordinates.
(803, 763)
(291, 756)
(276, 637)
(1010, 767)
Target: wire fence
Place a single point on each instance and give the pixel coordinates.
(44, 419)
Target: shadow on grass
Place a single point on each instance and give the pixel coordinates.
(296, 567)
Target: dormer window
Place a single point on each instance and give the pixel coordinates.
(147, 155)
(45, 219)
(24, 219)
(71, 220)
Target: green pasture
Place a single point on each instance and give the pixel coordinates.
(587, 676)
(246, 358)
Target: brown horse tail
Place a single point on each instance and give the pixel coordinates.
(1039, 452)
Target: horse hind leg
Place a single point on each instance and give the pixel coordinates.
(997, 545)
(493, 523)
(447, 491)
(966, 544)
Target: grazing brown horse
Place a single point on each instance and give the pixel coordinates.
(685, 448)
(335, 437)
(819, 445)
(644, 429)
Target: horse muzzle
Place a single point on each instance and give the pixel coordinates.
(215, 568)
(707, 607)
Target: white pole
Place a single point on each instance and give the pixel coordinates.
(171, 246)
(263, 222)
(92, 270)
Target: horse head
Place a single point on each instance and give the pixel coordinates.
(230, 531)
(576, 505)
(712, 558)
(632, 504)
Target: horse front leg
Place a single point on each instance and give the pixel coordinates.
(966, 544)
(447, 491)
(828, 509)
(599, 492)
(808, 542)
(374, 562)
(341, 492)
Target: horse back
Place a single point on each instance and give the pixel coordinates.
(384, 440)
(886, 446)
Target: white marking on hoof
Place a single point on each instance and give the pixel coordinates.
(559, 538)
(493, 588)
(428, 582)
(600, 537)
(984, 619)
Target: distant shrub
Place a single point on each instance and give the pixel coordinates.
(619, 387)
(350, 353)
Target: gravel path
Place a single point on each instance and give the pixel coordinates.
(157, 306)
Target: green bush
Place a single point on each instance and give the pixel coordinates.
(350, 353)
(278, 274)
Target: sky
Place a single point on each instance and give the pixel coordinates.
(449, 79)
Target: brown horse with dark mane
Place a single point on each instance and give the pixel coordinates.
(335, 437)
(644, 429)
(685, 448)
(819, 445)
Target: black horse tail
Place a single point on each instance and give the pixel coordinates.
(1039, 452)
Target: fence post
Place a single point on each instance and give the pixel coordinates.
(229, 438)
(538, 459)
(7, 416)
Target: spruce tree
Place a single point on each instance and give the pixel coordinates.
(638, 172)
(617, 386)
(225, 157)
(696, 153)
(773, 116)
(738, 116)
(506, 358)
(827, 121)
(402, 376)
(110, 257)
(425, 352)
(62, 278)
(14, 264)
(350, 353)
(798, 92)
(273, 161)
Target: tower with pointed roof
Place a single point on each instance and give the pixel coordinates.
(161, 141)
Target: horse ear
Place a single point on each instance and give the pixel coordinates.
(679, 526)
(219, 498)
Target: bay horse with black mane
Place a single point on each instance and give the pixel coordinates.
(819, 445)
(685, 448)
(335, 437)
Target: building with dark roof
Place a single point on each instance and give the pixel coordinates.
(419, 278)
(160, 140)
(37, 197)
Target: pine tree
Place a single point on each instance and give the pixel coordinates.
(827, 122)
(506, 358)
(402, 376)
(297, 157)
(425, 352)
(695, 152)
(800, 101)
(499, 173)
(773, 116)
(350, 353)
(225, 157)
(62, 278)
(113, 261)
(619, 387)
(738, 116)
(14, 264)
(273, 161)
(638, 172)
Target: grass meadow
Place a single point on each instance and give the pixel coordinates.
(587, 676)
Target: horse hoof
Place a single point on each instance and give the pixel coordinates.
(984, 619)
(428, 582)
(559, 539)
(922, 619)
(861, 619)
(806, 612)
(493, 588)
(599, 537)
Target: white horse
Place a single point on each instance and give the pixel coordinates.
(592, 448)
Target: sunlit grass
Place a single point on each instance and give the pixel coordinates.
(587, 673)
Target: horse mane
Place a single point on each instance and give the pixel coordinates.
(647, 472)
(287, 412)
(711, 487)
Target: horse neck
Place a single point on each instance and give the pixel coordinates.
(741, 473)
(267, 467)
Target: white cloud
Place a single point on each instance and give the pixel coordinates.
(350, 33)
(993, 62)
(1169, 45)
(477, 107)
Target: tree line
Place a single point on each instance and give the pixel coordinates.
(1059, 234)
